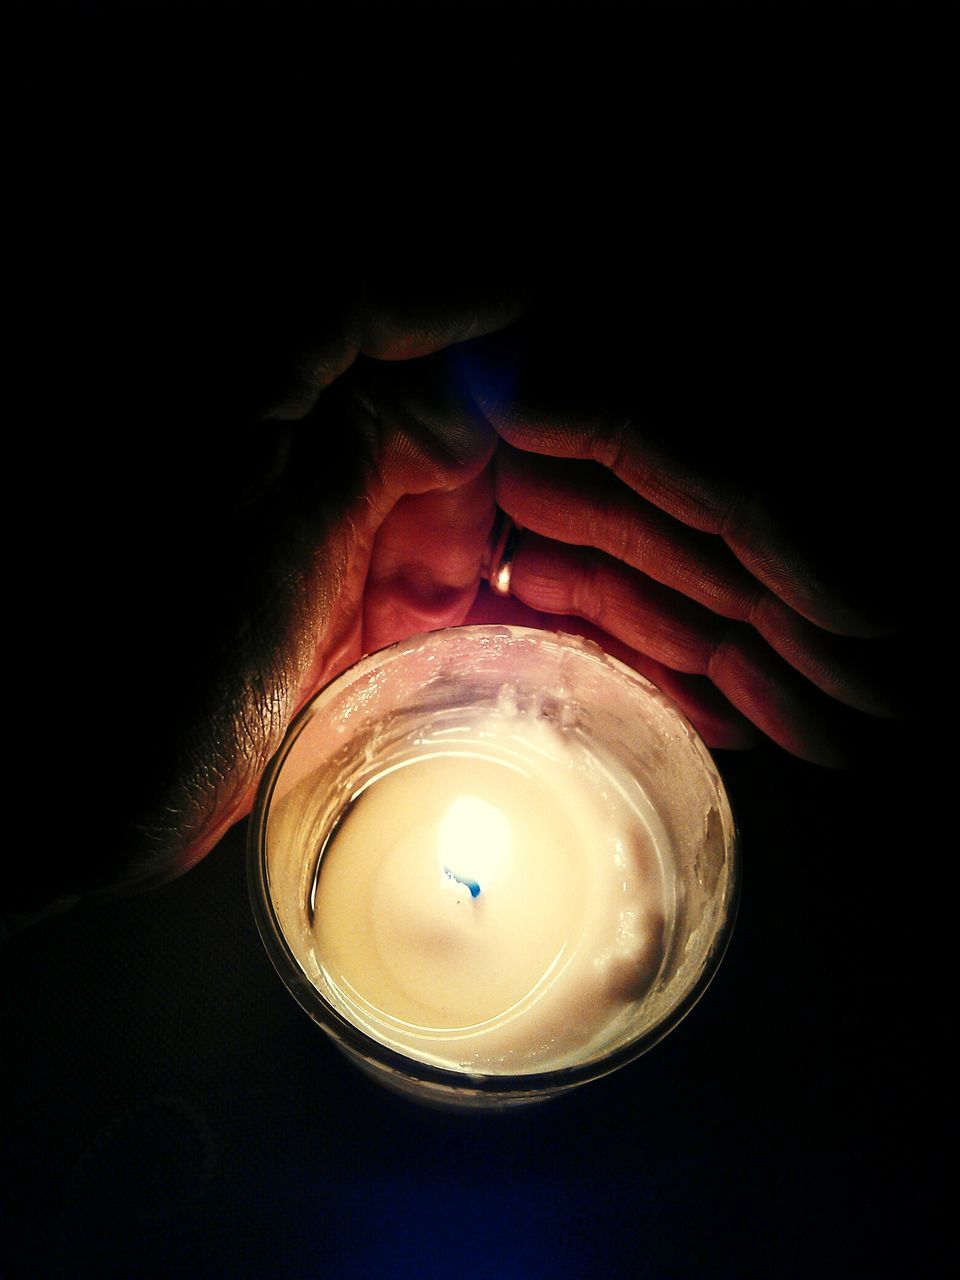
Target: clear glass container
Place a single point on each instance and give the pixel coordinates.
(621, 734)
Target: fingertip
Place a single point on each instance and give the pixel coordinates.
(486, 372)
(398, 609)
(416, 320)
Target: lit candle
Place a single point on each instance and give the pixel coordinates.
(492, 857)
(494, 905)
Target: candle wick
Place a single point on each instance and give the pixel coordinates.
(465, 881)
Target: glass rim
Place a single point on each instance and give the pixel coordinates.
(351, 1037)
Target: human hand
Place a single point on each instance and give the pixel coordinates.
(356, 511)
(239, 565)
(685, 569)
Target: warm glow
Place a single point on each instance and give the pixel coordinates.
(475, 843)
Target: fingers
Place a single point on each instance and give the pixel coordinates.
(389, 325)
(425, 566)
(398, 327)
(295, 610)
(583, 504)
(408, 543)
(861, 673)
(426, 436)
(683, 638)
(700, 499)
(434, 451)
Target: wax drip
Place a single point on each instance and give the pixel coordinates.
(465, 881)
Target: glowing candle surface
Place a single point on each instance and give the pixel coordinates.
(493, 863)
(492, 904)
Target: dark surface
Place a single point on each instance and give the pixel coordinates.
(169, 1110)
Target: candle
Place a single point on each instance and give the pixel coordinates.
(494, 905)
(493, 862)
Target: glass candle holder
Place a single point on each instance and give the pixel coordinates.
(493, 863)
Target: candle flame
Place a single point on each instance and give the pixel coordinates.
(475, 843)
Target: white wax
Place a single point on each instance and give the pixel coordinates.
(493, 903)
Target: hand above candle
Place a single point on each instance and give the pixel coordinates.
(354, 508)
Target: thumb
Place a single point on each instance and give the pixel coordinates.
(425, 567)
(432, 456)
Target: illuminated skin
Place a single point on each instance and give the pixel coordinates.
(690, 581)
